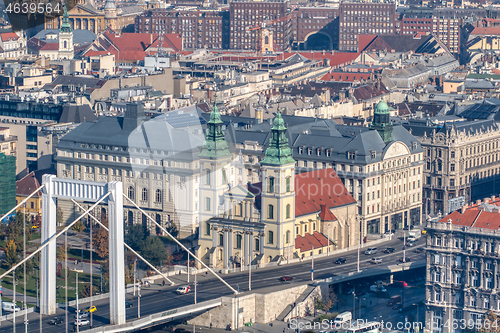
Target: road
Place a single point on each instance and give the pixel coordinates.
(158, 299)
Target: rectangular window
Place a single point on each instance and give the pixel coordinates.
(207, 204)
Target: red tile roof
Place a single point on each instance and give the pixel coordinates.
(337, 59)
(318, 187)
(27, 185)
(465, 219)
(9, 36)
(316, 239)
(50, 47)
(364, 40)
(486, 31)
(326, 214)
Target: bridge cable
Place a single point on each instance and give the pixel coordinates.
(54, 236)
(127, 246)
(181, 245)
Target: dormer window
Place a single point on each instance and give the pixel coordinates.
(328, 153)
(309, 151)
(318, 152)
(374, 154)
(301, 150)
(351, 155)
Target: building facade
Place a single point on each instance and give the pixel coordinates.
(364, 19)
(462, 267)
(246, 14)
(199, 28)
(461, 161)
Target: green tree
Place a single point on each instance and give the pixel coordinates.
(78, 226)
(136, 235)
(491, 323)
(172, 229)
(153, 250)
(100, 242)
(11, 253)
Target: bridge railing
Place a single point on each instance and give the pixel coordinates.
(156, 318)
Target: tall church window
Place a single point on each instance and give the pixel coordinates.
(270, 212)
(288, 182)
(270, 237)
(288, 211)
(271, 185)
(207, 177)
(287, 237)
(238, 241)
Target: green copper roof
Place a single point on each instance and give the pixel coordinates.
(382, 108)
(215, 144)
(278, 152)
(65, 26)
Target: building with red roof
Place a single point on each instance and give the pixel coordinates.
(13, 45)
(462, 262)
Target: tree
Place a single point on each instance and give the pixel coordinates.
(172, 229)
(11, 252)
(84, 292)
(61, 253)
(153, 250)
(78, 226)
(136, 236)
(100, 242)
(59, 216)
(491, 323)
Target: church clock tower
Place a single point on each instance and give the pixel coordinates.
(278, 194)
(66, 47)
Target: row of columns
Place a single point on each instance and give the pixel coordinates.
(247, 247)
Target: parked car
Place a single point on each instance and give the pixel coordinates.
(180, 330)
(56, 321)
(389, 250)
(403, 260)
(376, 260)
(419, 250)
(371, 250)
(410, 244)
(129, 304)
(286, 278)
(183, 290)
(81, 322)
(341, 261)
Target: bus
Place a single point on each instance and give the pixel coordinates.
(369, 327)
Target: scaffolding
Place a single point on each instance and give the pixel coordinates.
(7, 182)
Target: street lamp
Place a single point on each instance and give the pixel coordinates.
(312, 262)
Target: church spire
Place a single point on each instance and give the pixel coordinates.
(278, 152)
(215, 145)
(65, 26)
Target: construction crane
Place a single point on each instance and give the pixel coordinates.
(263, 31)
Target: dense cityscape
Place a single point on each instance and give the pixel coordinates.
(256, 166)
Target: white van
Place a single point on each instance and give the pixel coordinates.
(343, 318)
(10, 307)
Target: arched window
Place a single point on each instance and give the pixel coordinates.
(144, 194)
(238, 241)
(270, 237)
(224, 176)
(271, 185)
(131, 193)
(288, 181)
(288, 211)
(158, 196)
(287, 237)
(257, 244)
(207, 177)
(270, 212)
(266, 40)
(65, 44)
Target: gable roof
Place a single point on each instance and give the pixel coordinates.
(396, 43)
(27, 185)
(8, 36)
(308, 241)
(326, 214)
(319, 187)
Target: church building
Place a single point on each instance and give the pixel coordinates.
(285, 216)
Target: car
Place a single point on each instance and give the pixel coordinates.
(81, 322)
(341, 261)
(410, 244)
(81, 314)
(376, 260)
(397, 306)
(34, 227)
(389, 250)
(405, 259)
(371, 250)
(129, 304)
(90, 309)
(180, 330)
(183, 290)
(418, 250)
(286, 278)
(56, 321)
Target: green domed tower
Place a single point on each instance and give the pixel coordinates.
(381, 121)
